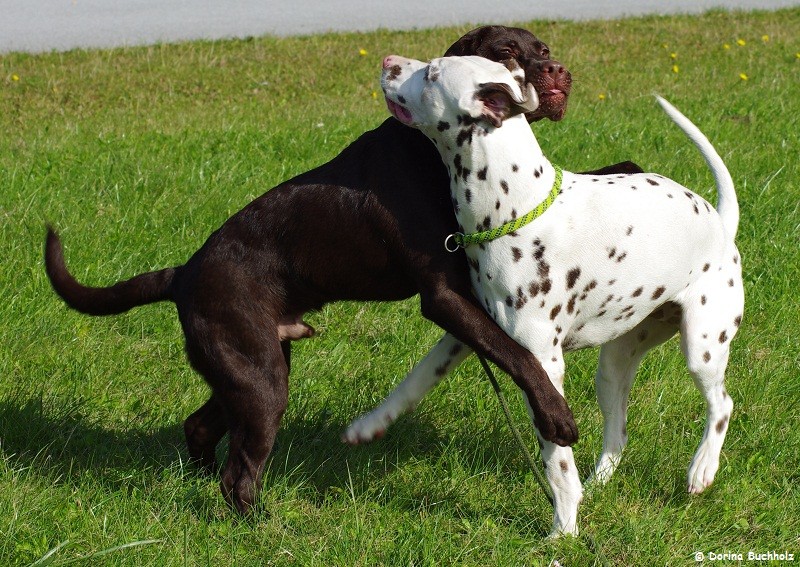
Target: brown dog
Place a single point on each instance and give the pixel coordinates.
(368, 225)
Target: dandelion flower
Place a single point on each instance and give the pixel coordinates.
(374, 94)
(673, 55)
(15, 77)
(726, 46)
(362, 52)
(741, 42)
(601, 96)
(765, 38)
(675, 69)
(743, 77)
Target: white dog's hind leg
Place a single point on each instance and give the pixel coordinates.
(705, 463)
(712, 314)
(616, 370)
(448, 353)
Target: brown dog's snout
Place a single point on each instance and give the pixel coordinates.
(553, 83)
(551, 67)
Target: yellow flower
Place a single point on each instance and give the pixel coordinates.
(601, 96)
(673, 55)
(797, 55)
(741, 42)
(374, 94)
(742, 76)
(726, 46)
(15, 77)
(362, 52)
(675, 69)
(765, 37)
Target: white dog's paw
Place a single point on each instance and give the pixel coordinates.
(563, 531)
(603, 470)
(368, 427)
(702, 471)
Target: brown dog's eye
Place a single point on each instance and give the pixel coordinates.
(542, 50)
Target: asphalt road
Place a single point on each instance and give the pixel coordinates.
(44, 25)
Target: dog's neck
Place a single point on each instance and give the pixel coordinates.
(496, 174)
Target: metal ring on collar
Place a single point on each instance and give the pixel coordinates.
(451, 242)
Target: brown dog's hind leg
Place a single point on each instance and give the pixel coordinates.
(203, 430)
(249, 375)
(257, 401)
(286, 348)
(237, 351)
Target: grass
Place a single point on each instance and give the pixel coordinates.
(137, 154)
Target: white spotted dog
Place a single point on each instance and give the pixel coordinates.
(565, 261)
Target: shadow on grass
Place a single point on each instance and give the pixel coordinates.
(309, 446)
(60, 441)
(57, 435)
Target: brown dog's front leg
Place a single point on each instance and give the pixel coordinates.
(461, 316)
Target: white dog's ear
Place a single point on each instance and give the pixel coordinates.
(500, 101)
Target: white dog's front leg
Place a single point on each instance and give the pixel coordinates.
(448, 353)
(559, 462)
(562, 476)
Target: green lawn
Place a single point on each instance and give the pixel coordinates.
(136, 155)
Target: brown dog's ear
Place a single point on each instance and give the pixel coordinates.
(468, 43)
(501, 102)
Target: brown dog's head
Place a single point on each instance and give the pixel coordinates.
(551, 80)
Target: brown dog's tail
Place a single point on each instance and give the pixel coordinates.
(118, 298)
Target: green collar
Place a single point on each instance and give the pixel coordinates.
(460, 240)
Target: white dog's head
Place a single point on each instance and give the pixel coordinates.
(453, 91)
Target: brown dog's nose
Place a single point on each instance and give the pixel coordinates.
(551, 67)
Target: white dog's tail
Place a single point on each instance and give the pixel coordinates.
(727, 206)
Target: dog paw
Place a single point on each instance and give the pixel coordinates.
(698, 485)
(364, 430)
(596, 481)
(604, 469)
(555, 422)
(559, 532)
(702, 472)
